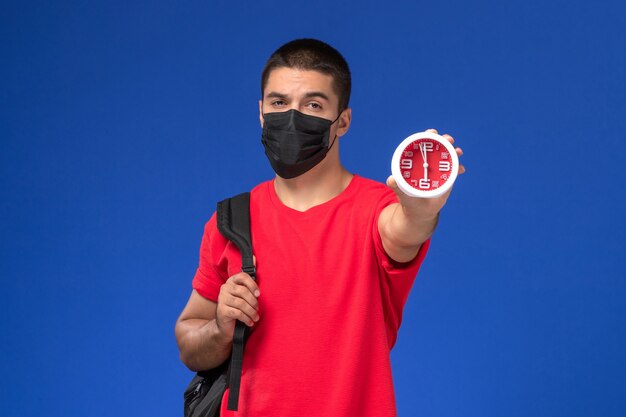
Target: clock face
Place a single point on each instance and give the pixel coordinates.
(425, 165)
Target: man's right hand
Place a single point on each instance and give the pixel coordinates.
(204, 330)
(238, 300)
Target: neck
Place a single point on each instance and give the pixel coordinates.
(322, 183)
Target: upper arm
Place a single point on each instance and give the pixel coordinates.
(198, 307)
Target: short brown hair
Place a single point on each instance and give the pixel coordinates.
(312, 55)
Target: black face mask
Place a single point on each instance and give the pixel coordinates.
(295, 142)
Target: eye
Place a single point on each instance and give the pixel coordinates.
(277, 103)
(314, 106)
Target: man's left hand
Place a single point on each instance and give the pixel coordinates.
(405, 226)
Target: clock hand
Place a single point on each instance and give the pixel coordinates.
(423, 151)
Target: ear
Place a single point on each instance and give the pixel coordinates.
(261, 112)
(343, 124)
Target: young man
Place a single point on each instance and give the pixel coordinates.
(336, 256)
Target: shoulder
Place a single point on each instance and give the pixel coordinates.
(213, 240)
(261, 190)
(261, 186)
(373, 192)
(370, 185)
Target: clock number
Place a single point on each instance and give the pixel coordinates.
(424, 184)
(427, 146)
(444, 166)
(406, 163)
(408, 154)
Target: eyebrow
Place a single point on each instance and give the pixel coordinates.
(274, 94)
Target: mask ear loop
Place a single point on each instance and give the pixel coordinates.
(335, 139)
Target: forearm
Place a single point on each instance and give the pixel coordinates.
(405, 229)
(412, 227)
(202, 346)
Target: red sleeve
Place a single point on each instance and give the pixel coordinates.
(390, 266)
(398, 276)
(212, 271)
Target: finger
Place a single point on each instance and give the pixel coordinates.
(242, 305)
(228, 313)
(432, 130)
(242, 292)
(231, 293)
(239, 298)
(391, 182)
(448, 137)
(459, 152)
(244, 279)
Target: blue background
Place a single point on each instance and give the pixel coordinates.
(122, 124)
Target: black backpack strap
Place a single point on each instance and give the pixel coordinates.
(233, 222)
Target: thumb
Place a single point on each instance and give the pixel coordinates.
(391, 183)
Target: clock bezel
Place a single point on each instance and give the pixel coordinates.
(407, 188)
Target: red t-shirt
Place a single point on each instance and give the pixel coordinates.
(330, 306)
